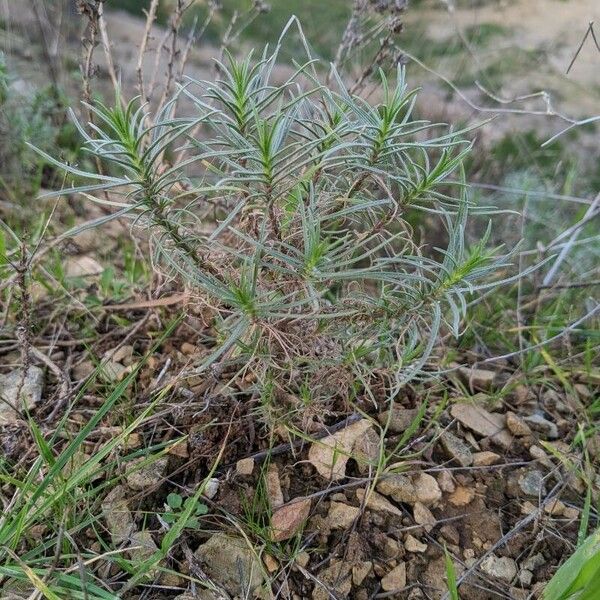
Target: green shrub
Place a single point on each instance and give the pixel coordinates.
(287, 215)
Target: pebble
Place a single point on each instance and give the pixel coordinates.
(398, 487)
(395, 579)
(503, 568)
(273, 485)
(423, 516)
(245, 466)
(534, 562)
(150, 474)
(478, 419)
(532, 483)
(360, 572)
(481, 379)
(462, 496)
(230, 562)
(555, 507)
(378, 503)
(29, 389)
(400, 418)
(446, 481)
(341, 516)
(412, 544)
(485, 459)
(525, 577)
(211, 488)
(456, 449)
(516, 425)
(543, 426)
(427, 489)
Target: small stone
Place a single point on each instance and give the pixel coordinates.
(540, 455)
(427, 489)
(377, 502)
(398, 487)
(341, 516)
(231, 563)
(527, 508)
(503, 568)
(412, 544)
(456, 449)
(124, 355)
(390, 548)
(462, 496)
(400, 419)
(83, 370)
(211, 488)
(270, 563)
(532, 483)
(117, 516)
(446, 481)
(303, 558)
(525, 577)
(366, 451)
(480, 379)
(29, 389)
(485, 459)
(571, 513)
(245, 466)
(360, 572)
(516, 425)
(289, 518)
(143, 546)
(423, 516)
(543, 426)
(113, 371)
(148, 475)
(477, 419)
(555, 507)
(188, 349)
(395, 580)
(273, 485)
(534, 562)
(450, 534)
(82, 266)
(503, 439)
(330, 455)
(337, 577)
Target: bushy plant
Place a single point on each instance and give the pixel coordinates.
(285, 207)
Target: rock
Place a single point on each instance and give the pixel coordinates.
(273, 485)
(555, 507)
(341, 515)
(503, 439)
(29, 389)
(400, 419)
(478, 419)
(485, 459)
(245, 466)
(571, 513)
(450, 534)
(82, 266)
(543, 426)
(83, 370)
(211, 488)
(360, 572)
(502, 568)
(398, 487)
(270, 563)
(412, 544)
(532, 483)
(516, 425)
(149, 475)
(478, 379)
(366, 451)
(434, 578)
(423, 516)
(525, 577)
(113, 371)
(330, 455)
(117, 516)
(427, 489)
(462, 496)
(337, 577)
(395, 580)
(534, 562)
(228, 561)
(289, 518)
(446, 481)
(143, 546)
(124, 355)
(378, 503)
(456, 449)
(540, 455)
(303, 558)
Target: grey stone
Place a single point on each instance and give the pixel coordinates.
(503, 568)
(29, 390)
(456, 449)
(532, 483)
(543, 426)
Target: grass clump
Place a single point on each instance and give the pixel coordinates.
(286, 209)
